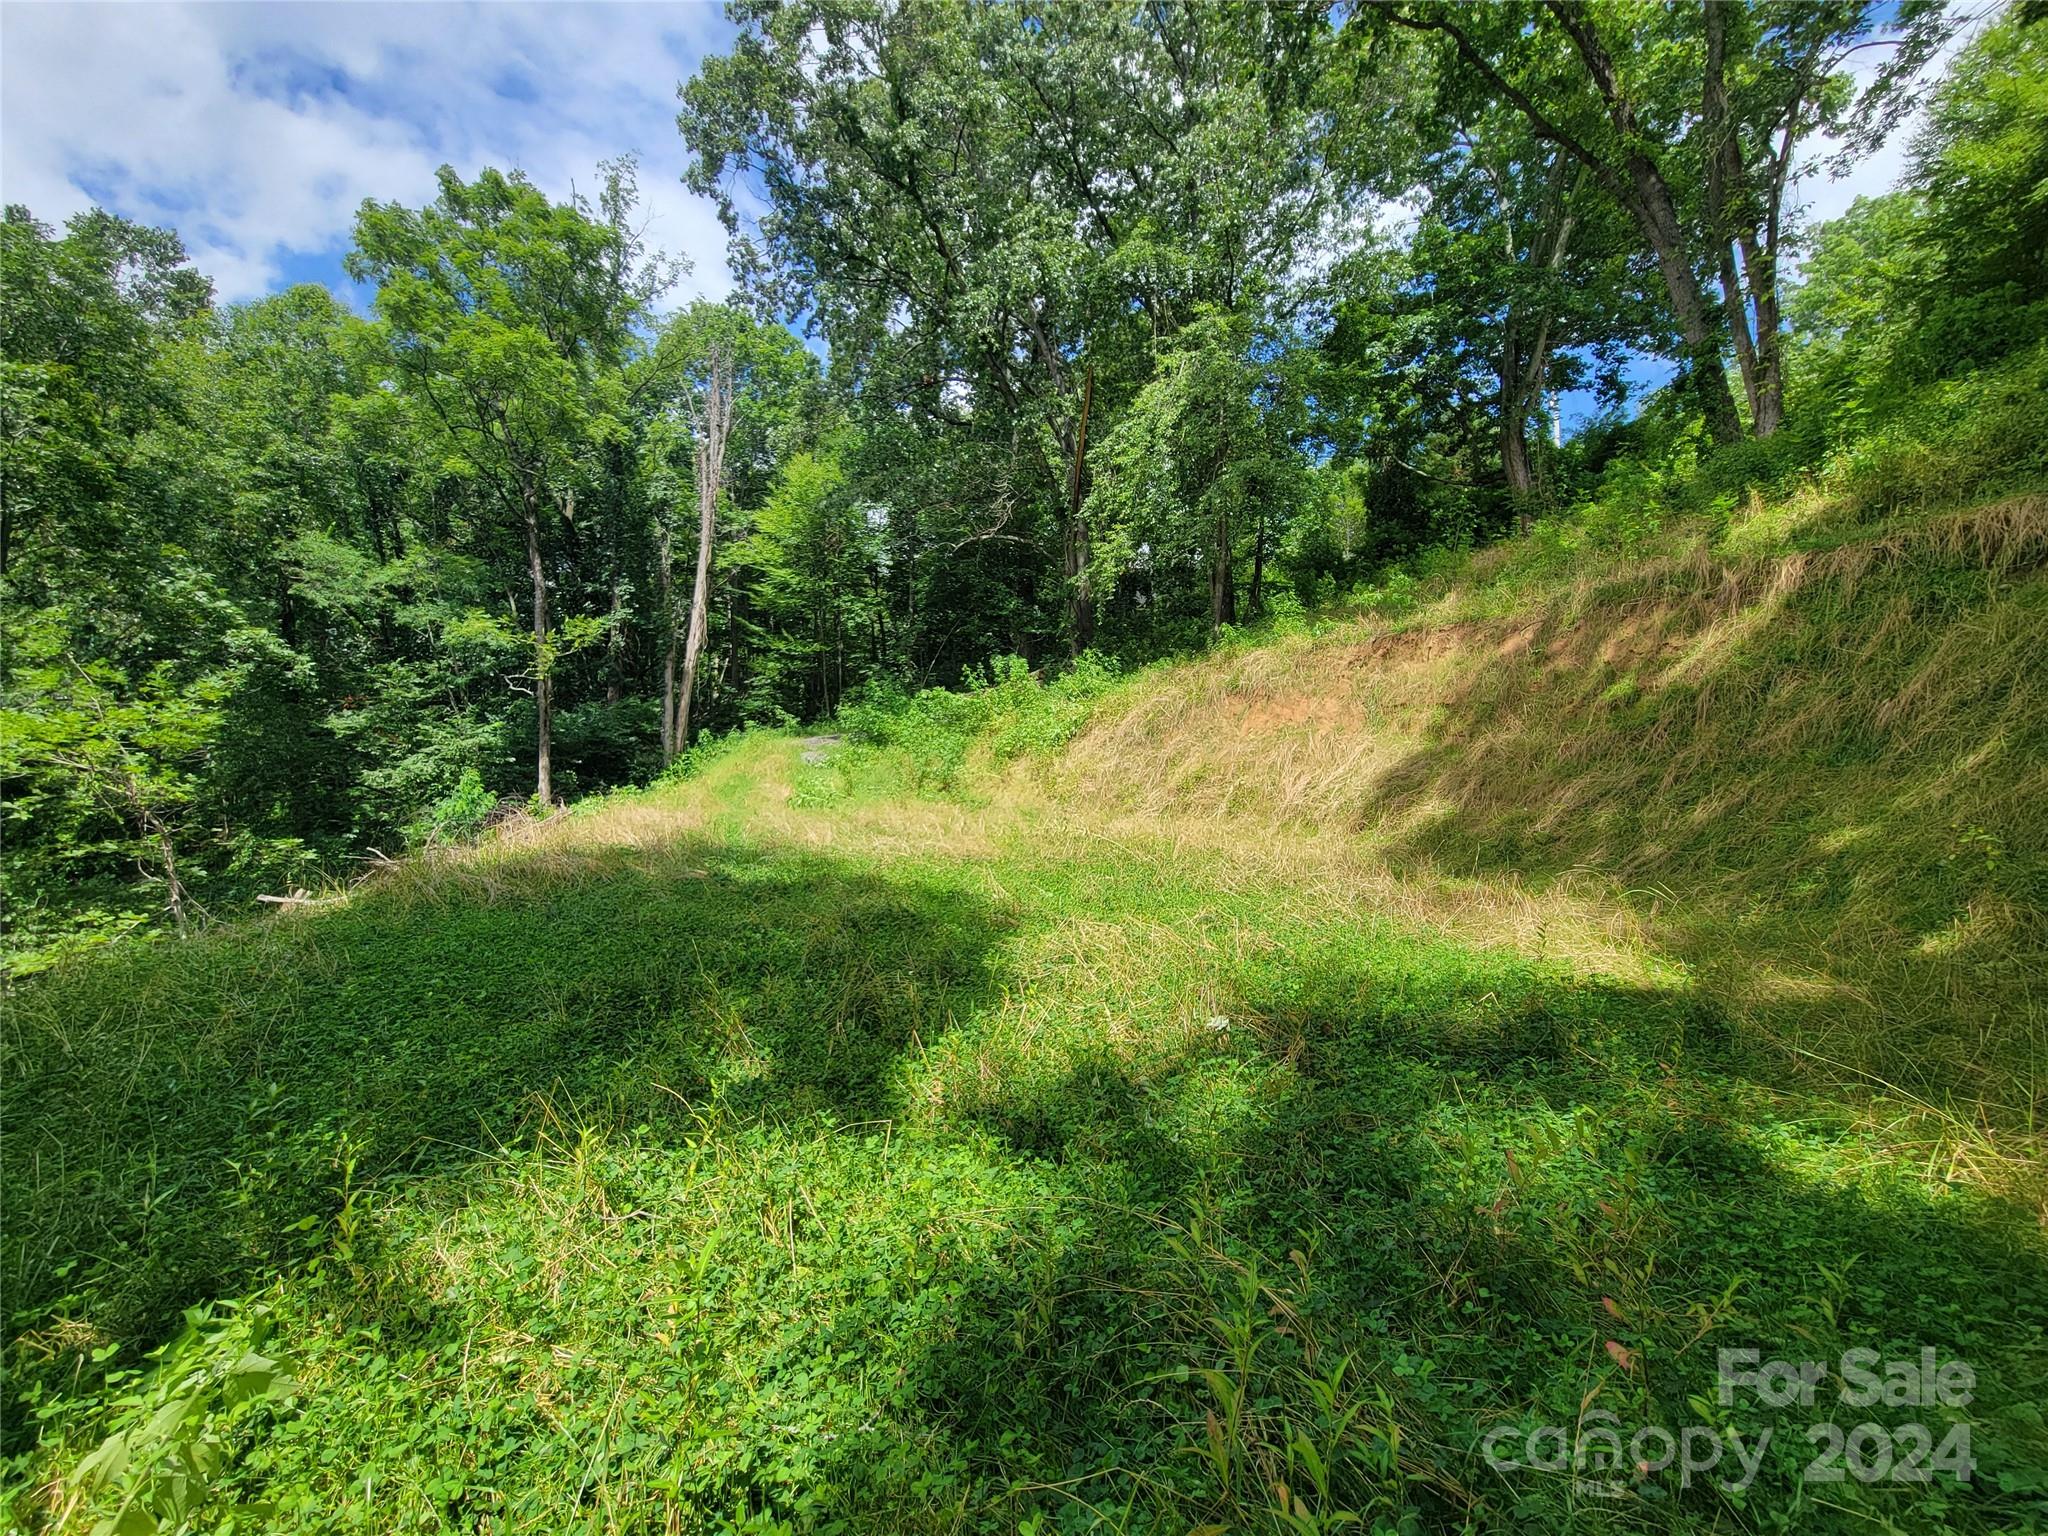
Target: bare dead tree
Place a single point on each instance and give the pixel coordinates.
(710, 408)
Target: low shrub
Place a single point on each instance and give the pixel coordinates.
(1015, 710)
(458, 816)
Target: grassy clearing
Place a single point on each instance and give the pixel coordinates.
(1465, 1018)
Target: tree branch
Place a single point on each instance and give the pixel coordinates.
(1469, 51)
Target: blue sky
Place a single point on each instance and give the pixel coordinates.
(256, 129)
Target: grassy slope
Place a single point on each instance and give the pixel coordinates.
(1472, 1015)
(1817, 776)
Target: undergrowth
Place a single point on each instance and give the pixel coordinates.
(1007, 708)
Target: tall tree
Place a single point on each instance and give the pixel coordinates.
(86, 321)
(1654, 101)
(1774, 72)
(709, 404)
(502, 305)
(1553, 64)
(741, 393)
(812, 565)
(998, 214)
(1192, 467)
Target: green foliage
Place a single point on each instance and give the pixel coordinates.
(1981, 163)
(510, 319)
(133, 793)
(1946, 275)
(1027, 719)
(1193, 470)
(1330, 539)
(301, 529)
(1393, 598)
(1009, 708)
(1976, 435)
(1118, 365)
(806, 566)
(1002, 299)
(463, 812)
(699, 756)
(1635, 494)
(175, 1431)
(774, 1151)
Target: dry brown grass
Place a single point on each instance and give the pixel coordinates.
(1658, 758)
(1309, 734)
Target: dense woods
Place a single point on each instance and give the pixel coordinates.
(1121, 328)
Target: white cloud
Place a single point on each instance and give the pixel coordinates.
(256, 130)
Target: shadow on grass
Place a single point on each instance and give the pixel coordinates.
(1467, 1188)
(1463, 1173)
(178, 1112)
(1820, 781)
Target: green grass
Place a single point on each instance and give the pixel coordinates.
(890, 1144)
(1815, 777)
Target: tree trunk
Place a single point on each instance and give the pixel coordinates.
(712, 423)
(700, 605)
(1657, 214)
(1081, 611)
(668, 699)
(1514, 422)
(1724, 164)
(1519, 398)
(1642, 191)
(1736, 310)
(174, 887)
(1767, 403)
(1259, 563)
(1648, 198)
(1514, 458)
(543, 682)
(1222, 569)
(1222, 583)
(1514, 441)
(154, 828)
(1522, 373)
(1760, 358)
(615, 639)
(615, 647)
(664, 546)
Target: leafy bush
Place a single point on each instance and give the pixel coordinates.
(609, 741)
(1039, 720)
(461, 813)
(1636, 494)
(176, 1430)
(699, 755)
(932, 728)
(1007, 704)
(1961, 438)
